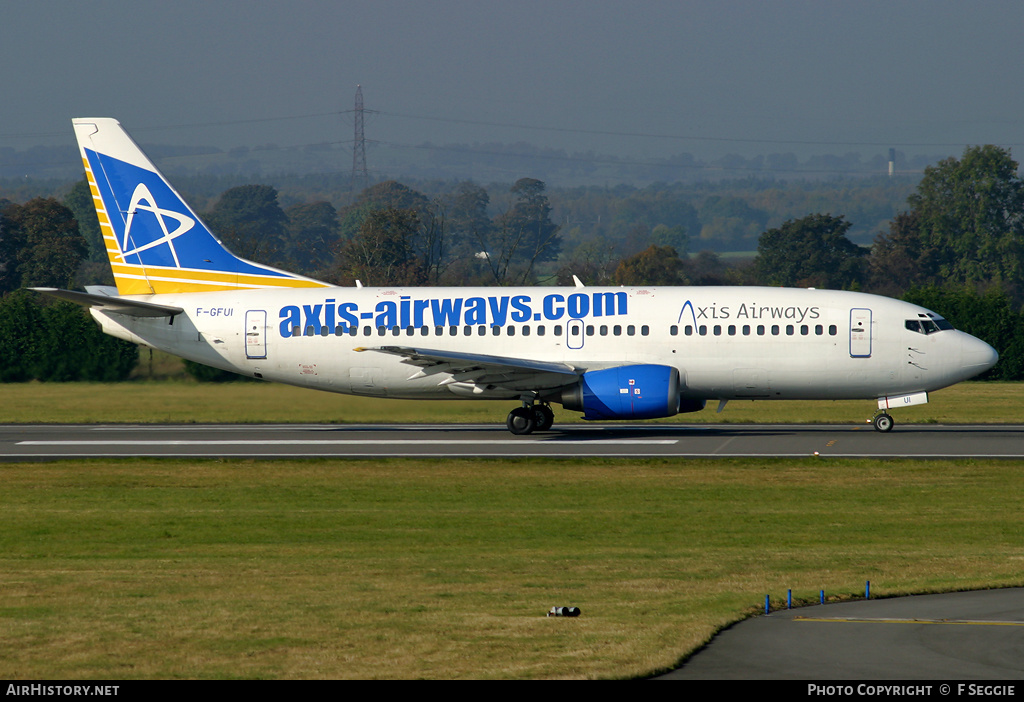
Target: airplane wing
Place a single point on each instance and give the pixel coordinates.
(481, 369)
(113, 303)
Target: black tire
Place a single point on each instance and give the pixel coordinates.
(883, 423)
(543, 417)
(521, 421)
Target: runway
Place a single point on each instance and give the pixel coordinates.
(51, 442)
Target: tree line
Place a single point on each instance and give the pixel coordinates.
(957, 249)
(43, 339)
(957, 245)
(394, 235)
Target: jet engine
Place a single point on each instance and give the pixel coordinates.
(628, 392)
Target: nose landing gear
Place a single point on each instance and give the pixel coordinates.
(883, 422)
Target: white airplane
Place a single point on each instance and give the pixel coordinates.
(610, 353)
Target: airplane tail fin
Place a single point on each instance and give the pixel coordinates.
(155, 242)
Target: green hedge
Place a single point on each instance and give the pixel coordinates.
(992, 317)
(57, 341)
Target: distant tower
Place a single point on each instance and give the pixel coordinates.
(360, 176)
(892, 163)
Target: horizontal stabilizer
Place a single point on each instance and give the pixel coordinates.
(117, 305)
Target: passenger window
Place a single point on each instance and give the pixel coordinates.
(804, 330)
(746, 330)
(775, 330)
(526, 330)
(645, 330)
(630, 330)
(818, 329)
(732, 330)
(832, 330)
(760, 330)
(790, 330)
(717, 330)
(688, 330)
(511, 331)
(673, 330)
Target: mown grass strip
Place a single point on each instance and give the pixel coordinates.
(184, 402)
(442, 569)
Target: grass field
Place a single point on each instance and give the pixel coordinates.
(251, 402)
(445, 569)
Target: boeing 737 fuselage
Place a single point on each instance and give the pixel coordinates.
(610, 353)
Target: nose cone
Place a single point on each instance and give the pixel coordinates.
(976, 356)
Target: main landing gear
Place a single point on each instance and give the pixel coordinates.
(530, 418)
(882, 421)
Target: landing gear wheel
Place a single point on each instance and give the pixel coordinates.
(543, 417)
(883, 423)
(521, 420)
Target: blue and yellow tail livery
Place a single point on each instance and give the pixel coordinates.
(155, 242)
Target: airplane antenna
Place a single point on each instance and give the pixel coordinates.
(360, 176)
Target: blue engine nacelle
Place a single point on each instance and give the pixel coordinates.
(627, 392)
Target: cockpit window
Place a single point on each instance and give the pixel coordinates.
(928, 324)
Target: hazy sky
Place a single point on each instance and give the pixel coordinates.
(636, 78)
